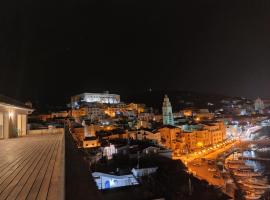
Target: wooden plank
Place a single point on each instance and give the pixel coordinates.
(43, 192)
(20, 168)
(25, 183)
(24, 193)
(4, 151)
(15, 158)
(57, 187)
(37, 184)
(32, 167)
(11, 169)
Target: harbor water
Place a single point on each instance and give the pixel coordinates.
(260, 151)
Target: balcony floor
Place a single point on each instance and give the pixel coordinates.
(32, 167)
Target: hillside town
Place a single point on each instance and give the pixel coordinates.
(130, 147)
(122, 142)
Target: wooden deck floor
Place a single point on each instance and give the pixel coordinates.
(32, 167)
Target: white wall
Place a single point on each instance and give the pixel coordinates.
(107, 181)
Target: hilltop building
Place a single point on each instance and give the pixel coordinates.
(104, 97)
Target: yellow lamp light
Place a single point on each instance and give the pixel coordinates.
(11, 114)
(199, 144)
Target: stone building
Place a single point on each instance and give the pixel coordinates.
(190, 138)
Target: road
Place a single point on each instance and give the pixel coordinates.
(202, 169)
(203, 172)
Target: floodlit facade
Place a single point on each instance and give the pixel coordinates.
(89, 142)
(190, 138)
(259, 105)
(167, 112)
(109, 181)
(145, 135)
(13, 119)
(109, 151)
(95, 97)
(144, 171)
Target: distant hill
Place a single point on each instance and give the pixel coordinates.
(179, 99)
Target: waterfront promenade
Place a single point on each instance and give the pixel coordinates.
(207, 171)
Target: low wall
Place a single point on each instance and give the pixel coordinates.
(45, 131)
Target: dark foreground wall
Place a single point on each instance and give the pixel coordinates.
(78, 181)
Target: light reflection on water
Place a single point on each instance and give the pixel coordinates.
(258, 166)
(263, 166)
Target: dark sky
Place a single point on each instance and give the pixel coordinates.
(53, 49)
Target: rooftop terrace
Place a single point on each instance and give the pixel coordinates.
(45, 166)
(32, 167)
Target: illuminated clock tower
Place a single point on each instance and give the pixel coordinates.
(167, 112)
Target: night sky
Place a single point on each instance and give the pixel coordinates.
(51, 50)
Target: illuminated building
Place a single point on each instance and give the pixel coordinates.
(60, 114)
(95, 97)
(13, 118)
(109, 151)
(44, 117)
(203, 114)
(81, 112)
(93, 112)
(86, 136)
(167, 112)
(108, 181)
(198, 114)
(140, 108)
(190, 138)
(187, 112)
(144, 171)
(110, 112)
(89, 142)
(170, 136)
(145, 135)
(259, 105)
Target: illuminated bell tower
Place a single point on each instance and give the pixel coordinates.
(167, 112)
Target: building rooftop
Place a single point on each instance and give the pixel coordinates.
(12, 102)
(90, 138)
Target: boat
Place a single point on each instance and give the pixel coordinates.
(257, 191)
(247, 174)
(257, 181)
(235, 162)
(252, 196)
(252, 181)
(263, 149)
(241, 167)
(265, 123)
(257, 186)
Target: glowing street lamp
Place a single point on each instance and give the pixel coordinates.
(11, 114)
(199, 144)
